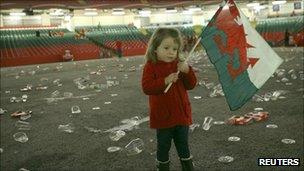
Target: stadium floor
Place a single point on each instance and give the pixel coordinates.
(85, 148)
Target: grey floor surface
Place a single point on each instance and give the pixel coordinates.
(49, 148)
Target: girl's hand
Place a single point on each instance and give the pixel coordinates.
(183, 67)
(171, 78)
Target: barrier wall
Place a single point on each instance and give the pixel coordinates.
(39, 55)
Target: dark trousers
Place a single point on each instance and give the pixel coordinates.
(179, 134)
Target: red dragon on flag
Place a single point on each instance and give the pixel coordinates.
(236, 40)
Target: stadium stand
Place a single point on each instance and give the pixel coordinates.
(273, 30)
(21, 46)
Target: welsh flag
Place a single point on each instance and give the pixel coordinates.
(242, 58)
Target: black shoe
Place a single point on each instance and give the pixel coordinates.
(163, 166)
(187, 164)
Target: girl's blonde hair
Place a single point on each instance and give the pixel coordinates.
(158, 36)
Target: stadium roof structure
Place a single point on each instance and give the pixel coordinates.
(101, 4)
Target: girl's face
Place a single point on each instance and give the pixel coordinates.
(167, 50)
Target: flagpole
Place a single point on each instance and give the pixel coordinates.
(190, 53)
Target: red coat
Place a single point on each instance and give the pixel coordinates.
(171, 108)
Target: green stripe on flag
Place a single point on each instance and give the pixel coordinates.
(237, 91)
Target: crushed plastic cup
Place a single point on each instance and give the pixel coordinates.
(271, 126)
(209, 85)
(278, 94)
(197, 97)
(207, 123)
(32, 72)
(107, 102)
(56, 81)
(233, 138)
(81, 87)
(69, 128)
(2, 111)
(92, 129)
(113, 149)
(13, 99)
(41, 88)
(193, 126)
(20, 137)
(284, 80)
(25, 117)
(113, 95)
(293, 76)
(291, 71)
(28, 87)
(96, 108)
(217, 91)
(55, 93)
(132, 121)
(225, 159)
(288, 141)
(258, 109)
(280, 72)
(257, 98)
(75, 109)
(116, 135)
(267, 97)
(218, 122)
(136, 146)
(67, 94)
(22, 125)
(24, 98)
(50, 100)
(110, 83)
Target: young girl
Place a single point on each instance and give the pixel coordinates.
(170, 113)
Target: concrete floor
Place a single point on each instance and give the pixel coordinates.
(48, 148)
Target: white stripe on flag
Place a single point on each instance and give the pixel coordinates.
(268, 61)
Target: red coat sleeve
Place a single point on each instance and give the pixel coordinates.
(189, 79)
(150, 84)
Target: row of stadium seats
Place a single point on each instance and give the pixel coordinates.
(19, 47)
(274, 30)
(16, 42)
(36, 55)
(292, 24)
(185, 31)
(133, 41)
(30, 32)
(109, 29)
